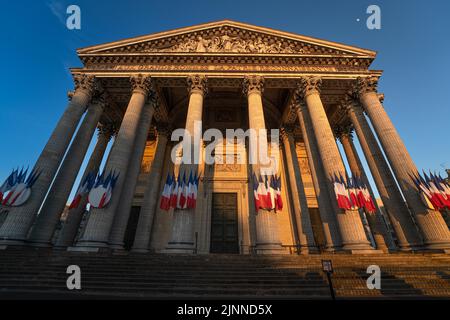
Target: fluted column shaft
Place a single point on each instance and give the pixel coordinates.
(151, 196)
(349, 221)
(379, 230)
(126, 198)
(406, 232)
(182, 237)
(435, 232)
(267, 233)
(56, 200)
(333, 240)
(300, 205)
(16, 226)
(96, 233)
(74, 216)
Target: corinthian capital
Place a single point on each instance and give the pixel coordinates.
(348, 103)
(85, 82)
(163, 129)
(253, 84)
(197, 83)
(365, 85)
(107, 130)
(343, 130)
(286, 132)
(141, 83)
(309, 85)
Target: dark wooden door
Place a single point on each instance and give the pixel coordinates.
(224, 223)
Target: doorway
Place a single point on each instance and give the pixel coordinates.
(224, 223)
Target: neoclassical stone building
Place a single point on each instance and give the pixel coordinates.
(228, 75)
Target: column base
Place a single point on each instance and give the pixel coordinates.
(270, 248)
(410, 248)
(179, 247)
(89, 249)
(90, 246)
(444, 245)
(362, 251)
(355, 247)
(38, 244)
(13, 242)
(116, 246)
(139, 250)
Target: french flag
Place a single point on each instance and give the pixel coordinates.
(190, 193)
(355, 203)
(174, 194)
(424, 192)
(195, 181)
(440, 193)
(445, 190)
(167, 191)
(255, 192)
(341, 194)
(278, 193)
(182, 193)
(84, 189)
(268, 194)
(369, 204)
(273, 193)
(262, 193)
(435, 195)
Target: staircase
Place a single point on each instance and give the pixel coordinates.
(37, 273)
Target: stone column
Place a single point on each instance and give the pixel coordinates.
(183, 223)
(74, 216)
(399, 216)
(126, 198)
(333, 240)
(96, 233)
(48, 218)
(16, 226)
(379, 230)
(434, 229)
(151, 195)
(300, 205)
(267, 237)
(350, 224)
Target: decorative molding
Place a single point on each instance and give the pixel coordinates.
(253, 84)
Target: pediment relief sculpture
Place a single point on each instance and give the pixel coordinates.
(228, 44)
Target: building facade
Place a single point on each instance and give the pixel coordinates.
(228, 75)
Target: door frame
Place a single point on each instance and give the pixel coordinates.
(239, 187)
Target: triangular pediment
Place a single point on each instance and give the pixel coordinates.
(226, 38)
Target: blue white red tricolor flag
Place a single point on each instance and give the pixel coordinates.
(267, 192)
(101, 194)
(83, 190)
(353, 194)
(434, 191)
(165, 196)
(16, 190)
(179, 193)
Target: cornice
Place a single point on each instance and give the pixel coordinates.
(224, 25)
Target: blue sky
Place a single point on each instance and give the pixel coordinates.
(37, 50)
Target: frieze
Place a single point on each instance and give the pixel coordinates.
(178, 67)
